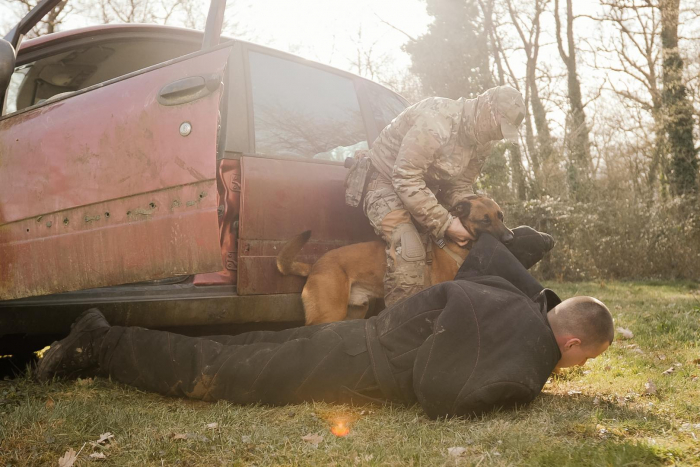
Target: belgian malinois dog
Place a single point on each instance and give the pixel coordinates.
(342, 282)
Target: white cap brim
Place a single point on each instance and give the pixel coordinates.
(510, 132)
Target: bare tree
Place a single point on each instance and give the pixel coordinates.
(530, 37)
(638, 52)
(648, 53)
(678, 113)
(518, 175)
(368, 61)
(577, 140)
(146, 11)
(50, 23)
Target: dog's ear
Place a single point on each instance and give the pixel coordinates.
(462, 209)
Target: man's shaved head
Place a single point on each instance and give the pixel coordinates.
(583, 328)
(584, 317)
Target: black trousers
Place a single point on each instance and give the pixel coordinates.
(327, 362)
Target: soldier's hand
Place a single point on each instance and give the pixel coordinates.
(458, 233)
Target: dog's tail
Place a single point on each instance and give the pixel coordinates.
(285, 258)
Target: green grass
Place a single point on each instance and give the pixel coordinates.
(596, 415)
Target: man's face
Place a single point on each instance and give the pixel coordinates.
(575, 354)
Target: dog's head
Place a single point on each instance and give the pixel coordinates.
(480, 214)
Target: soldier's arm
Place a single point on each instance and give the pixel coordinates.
(416, 153)
(462, 186)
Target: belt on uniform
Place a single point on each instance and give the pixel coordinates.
(380, 365)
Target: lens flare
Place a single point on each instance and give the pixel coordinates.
(340, 428)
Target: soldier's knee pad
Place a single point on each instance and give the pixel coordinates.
(407, 244)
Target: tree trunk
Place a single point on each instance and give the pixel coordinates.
(678, 112)
(483, 43)
(578, 142)
(539, 114)
(516, 159)
(52, 19)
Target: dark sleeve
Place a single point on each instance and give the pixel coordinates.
(444, 368)
(489, 257)
(529, 246)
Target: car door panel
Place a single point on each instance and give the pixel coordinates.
(280, 199)
(304, 120)
(100, 188)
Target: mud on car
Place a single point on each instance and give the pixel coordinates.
(155, 172)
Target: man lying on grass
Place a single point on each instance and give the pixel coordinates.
(488, 339)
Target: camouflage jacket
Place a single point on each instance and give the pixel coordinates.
(436, 144)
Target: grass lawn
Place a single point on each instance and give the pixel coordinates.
(637, 404)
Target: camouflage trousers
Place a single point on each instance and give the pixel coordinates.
(405, 253)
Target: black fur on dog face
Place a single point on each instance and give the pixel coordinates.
(480, 214)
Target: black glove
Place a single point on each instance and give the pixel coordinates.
(529, 245)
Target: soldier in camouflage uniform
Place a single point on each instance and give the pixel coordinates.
(435, 147)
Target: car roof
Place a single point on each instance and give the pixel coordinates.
(41, 41)
(32, 45)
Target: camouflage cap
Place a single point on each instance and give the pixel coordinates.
(511, 108)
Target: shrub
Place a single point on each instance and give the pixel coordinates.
(620, 239)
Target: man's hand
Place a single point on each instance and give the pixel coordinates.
(458, 233)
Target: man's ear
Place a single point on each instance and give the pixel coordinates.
(462, 209)
(572, 342)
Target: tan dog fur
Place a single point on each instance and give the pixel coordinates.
(342, 282)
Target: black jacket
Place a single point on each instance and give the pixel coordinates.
(468, 346)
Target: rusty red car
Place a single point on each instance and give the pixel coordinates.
(155, 172)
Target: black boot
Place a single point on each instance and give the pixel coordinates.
(77, 354)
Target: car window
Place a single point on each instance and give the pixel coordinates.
(303, 111)
(69, 71)
(385, 104)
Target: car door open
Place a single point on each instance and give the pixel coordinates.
(115, 183)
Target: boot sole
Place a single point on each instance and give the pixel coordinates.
(48, 365)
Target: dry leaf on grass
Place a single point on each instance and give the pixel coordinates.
(49, 404)
(650, 388)
(456, 451)
(68, 458)
(574, 392)
(247, 439)
(212, 426)
(97, 455)
(669, 371)
(104, 437)
(179, 436)
(697, 361)
(313, 439)
(625, 333)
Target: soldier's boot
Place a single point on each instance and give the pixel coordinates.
(78, 353)
(405, 271)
